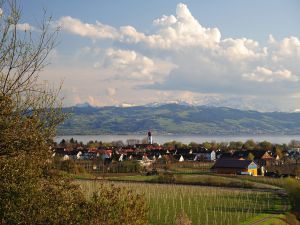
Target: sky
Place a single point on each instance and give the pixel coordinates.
(239, 54)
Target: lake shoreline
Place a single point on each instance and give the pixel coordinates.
(186, 139)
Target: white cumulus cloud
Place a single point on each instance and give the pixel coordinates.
(181, 30)
(165, 20)
(111, 91)
(130, 35)
(24, 27)
(179, 54)
(127, 64)
(241, 49)
(262, 74)
(286, 51)
(94, 31)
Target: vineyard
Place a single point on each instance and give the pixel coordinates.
(203, 205)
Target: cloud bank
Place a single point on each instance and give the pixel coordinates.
(180, 55)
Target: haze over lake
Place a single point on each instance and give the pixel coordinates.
(186, 139)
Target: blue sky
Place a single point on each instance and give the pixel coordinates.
(242, 54)
(252, 19)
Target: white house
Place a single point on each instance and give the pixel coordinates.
(181, 159)
(206, 155)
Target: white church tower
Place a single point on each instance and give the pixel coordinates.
(150, 141)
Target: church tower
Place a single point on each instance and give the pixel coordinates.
(149, 138)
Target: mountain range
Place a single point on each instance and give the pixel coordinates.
(176, 119)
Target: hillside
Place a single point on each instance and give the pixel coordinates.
(177, 119)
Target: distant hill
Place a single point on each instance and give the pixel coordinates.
(176, 119)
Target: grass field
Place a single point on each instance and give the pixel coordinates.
(203, 205)
(202, 179)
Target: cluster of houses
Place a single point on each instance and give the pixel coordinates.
(250, 162)
(144, 153)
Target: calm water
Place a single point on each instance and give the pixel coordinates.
(186, 139)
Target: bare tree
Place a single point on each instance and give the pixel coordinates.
(23, 53)
(32, 191)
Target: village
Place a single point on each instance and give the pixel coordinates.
(149, 112)
(250, 158)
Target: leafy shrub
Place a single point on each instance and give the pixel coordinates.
(165, 178)
(69, 166)
(31, 195)
(129, 166)
(31, 192)
(112, 205)
(182, 219)
(293, 188)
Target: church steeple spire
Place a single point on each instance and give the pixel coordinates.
(149, 137)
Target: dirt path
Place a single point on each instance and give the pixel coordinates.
(262, 220)
(282, 194)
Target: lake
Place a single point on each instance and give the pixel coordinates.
(186, 139)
